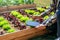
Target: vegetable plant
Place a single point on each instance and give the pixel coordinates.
(20, 16)
(14, 13)
(36, 13)
(40, 9)
(1, 19)
(24, 19)
(47, 7)
(29, 11)
(6, 27)
(32, 12)
(46, 17)
(11, 30)
(3, 22)
(52, 13)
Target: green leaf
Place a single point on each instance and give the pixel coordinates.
(52, 13)
(15, 13)
(23, 19)
(3, 22)
(11, 30)
(36, 13)
(1, 19)
(19, 16)
(6, 27)
(40, 9)
(46, 17)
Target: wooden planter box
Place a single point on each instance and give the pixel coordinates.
(24, 34)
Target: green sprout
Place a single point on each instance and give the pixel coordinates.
(47, 6)
(23, 19)
(1, 19)
(26, 10)
(3, 22)
(46, 17)
(15, 13)
(6, 27)
(36, 13)
(11, 30)
(52, 13)
(41, 9)
(19, 16)
(30, 11)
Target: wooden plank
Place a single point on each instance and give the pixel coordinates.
(24, 34)
(2, 9)
(26, 37)
(21, 6)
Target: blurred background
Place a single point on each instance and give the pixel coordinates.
(42, 2)
(21, 2)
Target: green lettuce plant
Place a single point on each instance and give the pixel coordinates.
(1, 19)
(46, 17)
(24, 19)
(3, 22)
(52, 13)
(6, 27)
(36, 13)
(11, 30)
(29, 11)
(20, 16)
(40, 9)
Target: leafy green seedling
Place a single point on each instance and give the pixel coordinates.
(27, 10)
(6, 27)
(3, 22)
(47, 6)
(1, 19)
(36, 13)
(38, 8)
(15, 13)
(46, 17)
(41, 9)
(19, 16)
(30, 11)
(11, 30)
(23, 19)
(26, 18)
(52, 13)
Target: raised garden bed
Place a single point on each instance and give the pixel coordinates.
(23, 32)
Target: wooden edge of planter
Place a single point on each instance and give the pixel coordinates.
(3, 9)
(21, 6)
(15, 7)
(24, 34)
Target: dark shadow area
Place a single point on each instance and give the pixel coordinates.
(49, 36)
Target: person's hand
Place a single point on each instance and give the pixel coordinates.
(41, 26)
